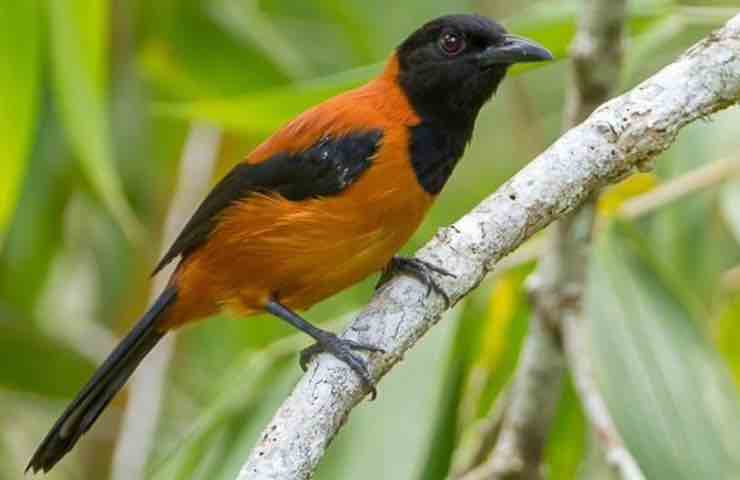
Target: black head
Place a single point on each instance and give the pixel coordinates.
(452, 65)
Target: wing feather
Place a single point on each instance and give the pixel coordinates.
(325, 168)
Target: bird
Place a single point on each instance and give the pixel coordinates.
(325, 202)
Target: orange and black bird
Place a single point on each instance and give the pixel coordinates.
(325, 202)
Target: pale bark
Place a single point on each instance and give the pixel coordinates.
(620, 136)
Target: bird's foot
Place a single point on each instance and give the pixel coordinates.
(419, 269)
(342, 349)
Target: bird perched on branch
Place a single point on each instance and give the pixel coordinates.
(325, 202)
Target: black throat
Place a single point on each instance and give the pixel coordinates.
(447, 120)
(434, 152)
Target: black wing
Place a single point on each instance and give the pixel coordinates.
(324, 169)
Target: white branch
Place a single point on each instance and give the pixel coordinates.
(596, 60)
(625, 133)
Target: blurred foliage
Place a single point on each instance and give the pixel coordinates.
(20, 74)
(97, 99)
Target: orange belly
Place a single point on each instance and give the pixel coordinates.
(303, 252)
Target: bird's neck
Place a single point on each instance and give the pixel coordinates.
(431, 105)
(438, 137)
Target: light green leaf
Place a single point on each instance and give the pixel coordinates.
(243, 384)
(79, 31)
(20, 50)
(462, 355)
(670, 395)
(247, 22)
(566, 445)
(179, 57)
(263, 112)
(727, 337)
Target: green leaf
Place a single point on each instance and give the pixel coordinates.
(727, 337)
(494, 349)
(263, 112)
(79, 32)
(669, 394)
(357, 29)
(553, 24)
(241, 387)
(462, 355)
(566, 444)
(178, 56)
(35, 363)
(690, 239)
(20, 49)
(246, 21)
(32, 241)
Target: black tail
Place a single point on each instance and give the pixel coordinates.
(102, 387)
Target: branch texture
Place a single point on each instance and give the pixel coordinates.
(624, 134)
(557, 285)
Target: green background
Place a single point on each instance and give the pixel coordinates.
(96, 100)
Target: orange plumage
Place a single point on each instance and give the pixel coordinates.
(325, 202)
(267, 245)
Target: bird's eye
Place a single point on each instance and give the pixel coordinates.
(452, 43)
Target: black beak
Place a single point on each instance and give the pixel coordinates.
(514, 50)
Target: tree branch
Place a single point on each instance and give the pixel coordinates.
(674, 190)
(597, 60)
(624, 134)
(530, 406)
(557, 285)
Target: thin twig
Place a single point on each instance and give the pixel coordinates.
(147, 385)
(557, 285)
(530, 407)
(731, 279)
(597, 61)
(695, 181)
(621, 135)
(579, 354)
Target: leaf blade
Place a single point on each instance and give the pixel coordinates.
(78, 32)
(19, 74)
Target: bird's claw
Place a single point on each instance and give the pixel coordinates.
(342, 349)
(422, 271)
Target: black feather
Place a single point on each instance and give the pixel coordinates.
(434, 152)
(102, 387)
(324, 169)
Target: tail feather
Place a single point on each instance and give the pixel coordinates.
(110, 377)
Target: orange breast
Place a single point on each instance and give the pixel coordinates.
(303, 252)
